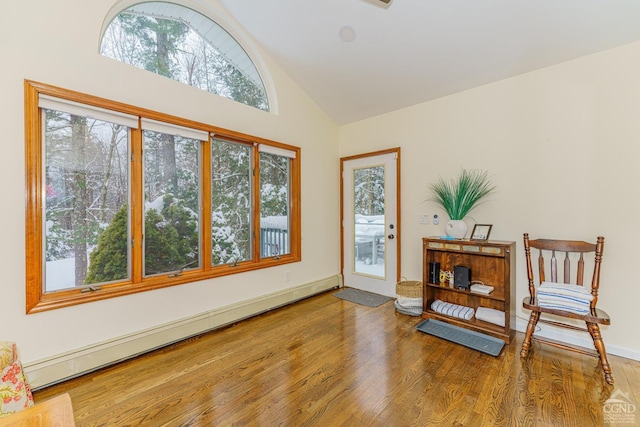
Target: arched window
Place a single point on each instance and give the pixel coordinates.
(184, 45)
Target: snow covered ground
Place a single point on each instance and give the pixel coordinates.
(371, 269)
(60, 274)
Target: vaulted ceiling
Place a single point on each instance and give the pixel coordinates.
(361, 58)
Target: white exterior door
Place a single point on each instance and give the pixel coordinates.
(370, 229)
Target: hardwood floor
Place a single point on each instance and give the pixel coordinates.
(328, 362)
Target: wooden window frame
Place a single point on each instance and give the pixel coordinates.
(37, 300)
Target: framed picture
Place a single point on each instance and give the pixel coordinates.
(481, 231)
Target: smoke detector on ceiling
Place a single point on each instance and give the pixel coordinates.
(347, 34)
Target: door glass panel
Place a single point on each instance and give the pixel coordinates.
(369, 221)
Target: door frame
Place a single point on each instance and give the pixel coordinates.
(396, 151)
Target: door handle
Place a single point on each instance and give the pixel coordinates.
(391, 237)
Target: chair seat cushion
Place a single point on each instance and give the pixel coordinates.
(564, 289)
(566, 297)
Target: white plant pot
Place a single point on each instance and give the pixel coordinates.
(456, 228)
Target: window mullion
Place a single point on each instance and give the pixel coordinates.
(137, 205)
(205, 205)
(255, 203)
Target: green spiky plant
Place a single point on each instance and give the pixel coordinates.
(459, 196)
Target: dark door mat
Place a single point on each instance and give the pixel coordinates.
(472, 339)
(362, 297)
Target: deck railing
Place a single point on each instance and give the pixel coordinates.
(273, 242)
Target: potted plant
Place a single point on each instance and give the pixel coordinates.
(459, 196)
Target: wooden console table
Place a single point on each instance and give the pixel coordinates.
(491, 262)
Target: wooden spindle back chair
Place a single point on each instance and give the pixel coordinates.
(567, 252)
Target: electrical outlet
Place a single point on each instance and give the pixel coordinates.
(424, 219)
(287, 276)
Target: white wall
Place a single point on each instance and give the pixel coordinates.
(56, 42)
(562, 145)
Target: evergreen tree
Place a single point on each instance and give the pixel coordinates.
(179, 218)
(161, 245)
(171, 242)
(242, 89)
(109, 260)
(153, 44)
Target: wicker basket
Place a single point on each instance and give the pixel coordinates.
(409, 288)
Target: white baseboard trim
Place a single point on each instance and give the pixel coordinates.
(77, 362)
(575, 338)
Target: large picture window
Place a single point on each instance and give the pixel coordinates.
(122, 200)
